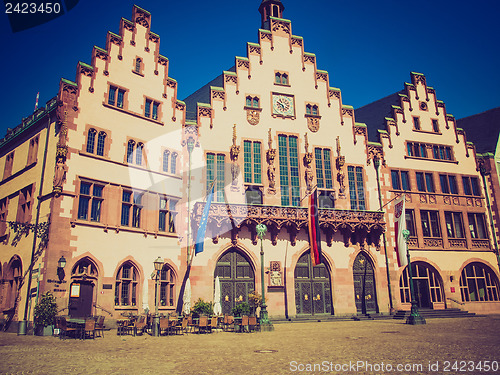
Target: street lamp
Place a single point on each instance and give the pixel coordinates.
(61, 263)
(414, 317)
(156, 321)
(265, 324)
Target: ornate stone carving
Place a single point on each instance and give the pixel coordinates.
(235, 169)
(204, 112)
(216, 94)
(271, 171)
(253, 116)
(313, 124)
(243, 63)
(347, 112)
(321, 77)
(308, 174)
(340, 162)
(231, 78)
(281, 25)
(309, 58)
(254, 49)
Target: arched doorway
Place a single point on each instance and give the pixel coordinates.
(364, 285)
(237, 279)
(312, 287)
(81, 298)
(427, 283)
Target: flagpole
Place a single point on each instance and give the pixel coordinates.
(414, 318)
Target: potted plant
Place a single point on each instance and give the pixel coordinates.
(241, 309)
(255, 301)
(202, 308)
(45, 312)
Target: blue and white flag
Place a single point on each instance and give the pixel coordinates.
(202, 228)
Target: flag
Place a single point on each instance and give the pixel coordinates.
(313, 223)
(202, 228)
(400, 225)
(36, 102)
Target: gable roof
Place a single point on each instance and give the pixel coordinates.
(482, 129)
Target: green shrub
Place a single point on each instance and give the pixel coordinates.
(45, 310)
(241, 309)
(202, 308)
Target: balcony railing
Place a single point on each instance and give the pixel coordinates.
(362, 227)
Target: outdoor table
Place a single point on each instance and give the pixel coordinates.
(122, 326)
(237, 323)
(78, 323)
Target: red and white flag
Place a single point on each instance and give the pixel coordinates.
(36, 102)
(400, 225)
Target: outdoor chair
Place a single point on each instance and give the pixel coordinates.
(181, 326)
(191, 325)
(99, 326)
(202, 324)
(228, 323)
(244, 323)
(89, 328)
(252, 323)
(212, 325)
(164, 325)
(65, 330)
(140, 325)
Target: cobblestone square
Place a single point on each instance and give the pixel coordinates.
(442, 346)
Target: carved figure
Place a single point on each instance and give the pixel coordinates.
(60, 174)
(309, 178)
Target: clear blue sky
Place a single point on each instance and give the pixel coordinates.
(368, 47)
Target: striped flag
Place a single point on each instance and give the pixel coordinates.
(313, 223)
(36, 102)
(400, 225)
(202, 228)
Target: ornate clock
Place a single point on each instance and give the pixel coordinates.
(283, 105)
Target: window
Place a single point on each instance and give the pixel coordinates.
(454, 224)
(253, 195)
(3, 216)
(416, 123)
(430, 223)
(101, 138)
(322, 157)
(33, 150)
(471, 186)
(137, 149)
(166, 221)
(425, 182)
(356, 187)
(9, 161)
(91, 140)
(400, 180)
(138, 65)
(410, 222)
(312, 110)
(131, 208)
(478, 283)
(441, 152)
(289, 170)
(166, 154)
(415, 149)
(281, 78)
(252, 168)
(116, 96)
(477, 226)
(448, 184)
(90, 193)
(252, 102)
(173, 163)
(167, 286)
(151, 105)
(25, 204)
(435, 126)
(216, 168)
(126, 285)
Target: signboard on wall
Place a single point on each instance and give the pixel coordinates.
(75, 290)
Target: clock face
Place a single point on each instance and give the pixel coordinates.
(283, 105)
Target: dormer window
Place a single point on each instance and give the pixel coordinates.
(281, 78)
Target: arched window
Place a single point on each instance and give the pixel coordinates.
(249, 101)
(308, 109)
(12, 279)
(478, 283)
(84, 268)
(166, 153)
(91, 140)
(127, 279)
(167, 286)
(173, 163)
(130, 151)
(138, 65)
(315, 110)
(277, 78)
(100, 143)
(284, 79)
(138, 155)
(255, 102)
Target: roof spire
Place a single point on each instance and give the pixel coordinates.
(270, 8)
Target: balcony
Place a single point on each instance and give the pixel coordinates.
(357, 227)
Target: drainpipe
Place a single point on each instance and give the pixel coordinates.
(22, 327)
(484, 172)
(376, 163)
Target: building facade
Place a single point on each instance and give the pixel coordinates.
(111, 175)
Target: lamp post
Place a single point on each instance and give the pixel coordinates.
(61, 263)
(414, 317)
(156, 321)
(265, 324)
